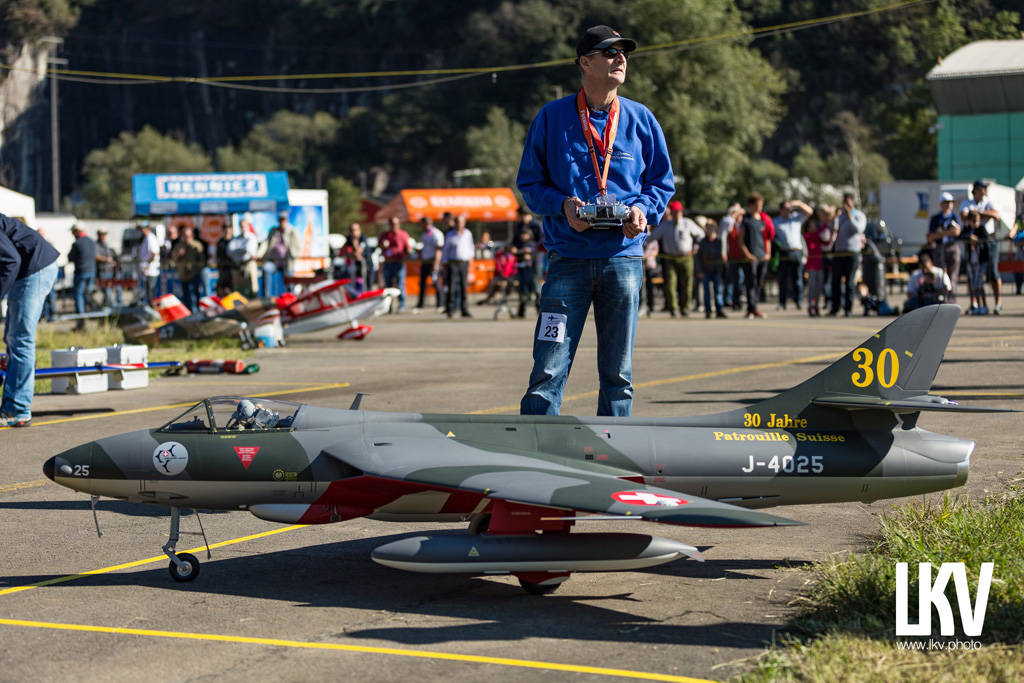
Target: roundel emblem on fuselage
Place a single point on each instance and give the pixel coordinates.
(170, 458)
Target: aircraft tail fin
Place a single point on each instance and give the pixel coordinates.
(891, 370)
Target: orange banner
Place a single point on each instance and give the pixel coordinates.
(486, 204)
(480, 274)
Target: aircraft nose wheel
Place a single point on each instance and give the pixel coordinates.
(188, 570)
(184, 566)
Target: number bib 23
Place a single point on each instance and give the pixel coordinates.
(552, 327)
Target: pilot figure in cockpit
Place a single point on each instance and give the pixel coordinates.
(249, 415)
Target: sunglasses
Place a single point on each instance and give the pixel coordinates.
(610, 52)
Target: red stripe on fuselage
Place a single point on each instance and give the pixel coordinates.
(461, 502)
(367, 492)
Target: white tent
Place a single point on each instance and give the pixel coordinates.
(18, 205)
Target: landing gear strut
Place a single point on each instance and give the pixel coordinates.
(183, 566)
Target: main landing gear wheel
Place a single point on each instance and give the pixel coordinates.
(188, 570)
(538, 588)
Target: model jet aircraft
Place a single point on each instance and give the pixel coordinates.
(334, 303)
(847, 434)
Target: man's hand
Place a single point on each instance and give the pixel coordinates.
(569, 209)
(636, 224)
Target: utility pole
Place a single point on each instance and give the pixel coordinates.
(52, 62)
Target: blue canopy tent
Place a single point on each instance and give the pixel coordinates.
(208, 193)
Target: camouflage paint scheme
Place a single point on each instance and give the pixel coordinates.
(847, 434)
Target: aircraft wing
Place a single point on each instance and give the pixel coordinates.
(907, 405)
(548, 481)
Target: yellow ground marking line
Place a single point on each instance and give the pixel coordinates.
(684, 378)
(148, 560)
(133, 411)
(365, 649)
(6, 488)
(231, 381)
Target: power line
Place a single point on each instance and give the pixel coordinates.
(445, 75)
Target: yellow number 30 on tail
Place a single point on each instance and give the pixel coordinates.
(887, 368)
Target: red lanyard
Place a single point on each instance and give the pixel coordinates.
(604, 146)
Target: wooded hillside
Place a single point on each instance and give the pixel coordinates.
(740, 112)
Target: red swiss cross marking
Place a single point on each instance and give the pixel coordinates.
(246, 454)
(647, 498)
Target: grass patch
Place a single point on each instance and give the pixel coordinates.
(846, 626)
(49, 337)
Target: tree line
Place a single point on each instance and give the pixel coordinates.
(843, 104)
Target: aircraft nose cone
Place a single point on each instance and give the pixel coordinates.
(57, 466)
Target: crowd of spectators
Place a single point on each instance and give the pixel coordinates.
(153, 261)
(809, 256)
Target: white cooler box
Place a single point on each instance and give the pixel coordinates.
(83, 384)
(128, 353)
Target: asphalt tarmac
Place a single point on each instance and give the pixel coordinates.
(294, 604)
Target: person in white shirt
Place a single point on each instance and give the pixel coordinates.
(149, 262)
(430, 260)
(790, 244)
(677, 237)
(981, 203)
(457, 253)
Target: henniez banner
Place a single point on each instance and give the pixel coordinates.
(209, 193)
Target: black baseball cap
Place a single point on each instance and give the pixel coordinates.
(600, 37)
(980, 182)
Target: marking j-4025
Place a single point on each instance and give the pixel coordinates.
(787, 464)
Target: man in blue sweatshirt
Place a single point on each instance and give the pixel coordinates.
(578, 147)
(28, 269)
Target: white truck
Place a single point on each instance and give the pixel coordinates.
(907, 205)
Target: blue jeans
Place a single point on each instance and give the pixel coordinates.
(791, 277)
(207, 277)
(273, 280)
(50, 305)
(24, 306)
(612, 285)
(82, 286)
(394, 276)
(191, 290)
(713, 280)
(844, 284)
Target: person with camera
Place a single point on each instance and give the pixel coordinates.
(928, 285)
(789, 242)
(851, 223)
(943, 239)
(597, 155)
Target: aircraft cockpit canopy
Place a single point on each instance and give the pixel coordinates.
(235, 414)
